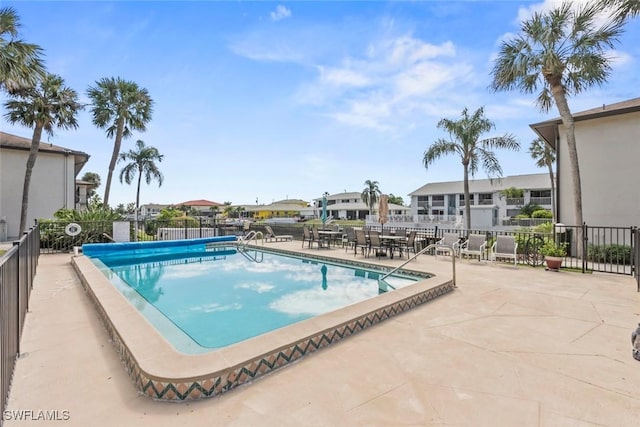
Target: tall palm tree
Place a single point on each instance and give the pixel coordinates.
(94, 179)
(48, 105)
(623, 9)
(142, 161)
(227, 210)
(20, 62)
(560, 52)
(371, 194)
(119, 106)
(465, 134)
(545, 156)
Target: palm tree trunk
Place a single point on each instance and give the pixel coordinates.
(568, 122)
(114, 159)
(467, 199)
(138, 193)
(31, 161)
(553, 193)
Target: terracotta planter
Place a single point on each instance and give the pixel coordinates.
(553, 262)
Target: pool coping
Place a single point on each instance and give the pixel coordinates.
(159, 371)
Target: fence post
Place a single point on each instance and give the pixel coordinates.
(17, 302)
(584, 247)
(185, 229)
(200, 227)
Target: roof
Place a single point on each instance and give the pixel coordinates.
(548, 130)
(530, 181)
(15, 142)
(280, 207)
(198, 203)
(293, 201)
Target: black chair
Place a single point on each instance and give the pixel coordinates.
(306, 236)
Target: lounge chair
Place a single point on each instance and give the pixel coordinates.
(505, 247)
(475, 245)
(270, 236)
(449, 242)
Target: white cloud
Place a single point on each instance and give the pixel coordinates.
(343, 77)
(281, 12)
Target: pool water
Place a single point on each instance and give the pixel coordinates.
(219, 296)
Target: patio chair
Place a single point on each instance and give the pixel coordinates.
(376, 244)
(271, 236)
(475, 245)
(349, 238)
(409, 245)
(449, 242)
(321, 241)
(306, 236)
(505, 247)
(361, 242)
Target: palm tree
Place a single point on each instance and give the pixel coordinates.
(545, 156)
(119, 106)
(464, 141)
(562, 53)
(371, 194)
(623, 8)
(94, 179)
(20, 62)
(142, 162)
(45, 106)
(227, 210)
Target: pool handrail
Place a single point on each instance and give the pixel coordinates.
(431, 246)
(252, 235)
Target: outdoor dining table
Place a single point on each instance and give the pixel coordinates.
(392, 242)
(331, 235)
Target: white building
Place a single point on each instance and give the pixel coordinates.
(52, 186)
(608, 144)
(351, 206)
(443, 202)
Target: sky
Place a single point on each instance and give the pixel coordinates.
(260, 101)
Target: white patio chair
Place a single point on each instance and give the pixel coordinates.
(505, 247)
(475, 245)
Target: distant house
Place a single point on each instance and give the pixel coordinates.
(53, 182)
(608, 144)
(444, 201)
(288, 208)
(151, 210)
(204, 207)
(349, 205)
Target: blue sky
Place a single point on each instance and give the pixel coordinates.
(273, 100)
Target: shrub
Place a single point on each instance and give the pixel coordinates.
(544, 228)
(615, 254)
(551, 248)
(529, 209)
(542, 213)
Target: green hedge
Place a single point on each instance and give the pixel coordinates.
(542, 213)
(615, 254)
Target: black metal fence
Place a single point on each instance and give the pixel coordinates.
(17, 269)
(590, 248)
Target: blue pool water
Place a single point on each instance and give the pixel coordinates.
(218, 296)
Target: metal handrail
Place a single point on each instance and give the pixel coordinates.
(252, 235)
(431, 246)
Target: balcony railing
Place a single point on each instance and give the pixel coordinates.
(541, 200)
(437, 203)
(486, 201)
(515, 201)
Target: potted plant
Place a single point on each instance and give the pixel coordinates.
(553, 253)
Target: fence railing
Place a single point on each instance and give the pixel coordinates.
(590, 248)
(17, 269)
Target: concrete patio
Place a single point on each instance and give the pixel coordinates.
(512, 347)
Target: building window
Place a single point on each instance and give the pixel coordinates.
(437, 200)
(485, 198)
(470, 198)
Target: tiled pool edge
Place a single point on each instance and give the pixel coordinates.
(234, 374)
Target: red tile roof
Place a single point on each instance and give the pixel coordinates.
(200, 202)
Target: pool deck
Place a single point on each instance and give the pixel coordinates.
(512, 347)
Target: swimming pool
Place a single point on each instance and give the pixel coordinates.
(214, 295)
(159, 371)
